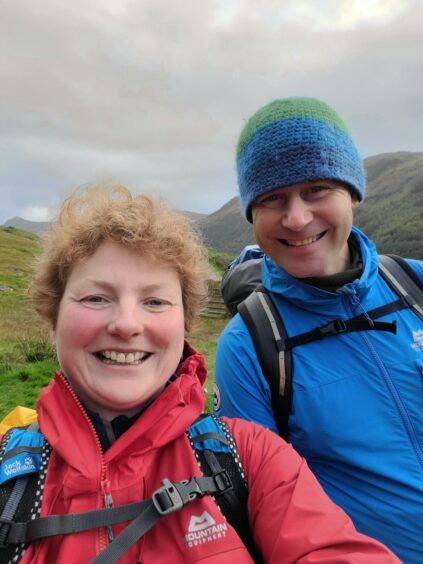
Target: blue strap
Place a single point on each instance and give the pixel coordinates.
(206, 434)
(22, 454)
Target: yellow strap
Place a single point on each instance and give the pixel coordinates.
(17, 417)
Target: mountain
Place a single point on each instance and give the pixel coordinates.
(391, 214)
(226, 230)
(26, 225)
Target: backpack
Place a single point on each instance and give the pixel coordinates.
(24, 456)
(242, 291)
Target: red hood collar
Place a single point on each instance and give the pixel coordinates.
(68, 429)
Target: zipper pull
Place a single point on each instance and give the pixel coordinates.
(108, 502)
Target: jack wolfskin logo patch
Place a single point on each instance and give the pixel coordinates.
(417, 343)
(199, 523)
(204, 529)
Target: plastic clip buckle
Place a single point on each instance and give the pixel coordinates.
(167, 498)
(333, 328)
(223, 482)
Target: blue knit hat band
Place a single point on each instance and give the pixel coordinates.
(294, 150)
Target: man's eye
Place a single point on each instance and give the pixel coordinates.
(273, 198)
(318, 189)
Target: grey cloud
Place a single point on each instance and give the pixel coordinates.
(153, 93)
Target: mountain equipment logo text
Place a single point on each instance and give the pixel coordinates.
(204, 529)
(417, 345)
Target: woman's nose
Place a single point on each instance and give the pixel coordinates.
(297, 214)
(126, 321)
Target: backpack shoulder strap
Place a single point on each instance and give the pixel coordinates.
(269, 334)
(24, 455)
(215, 450)
(402, 279)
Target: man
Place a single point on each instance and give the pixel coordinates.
(357, 407)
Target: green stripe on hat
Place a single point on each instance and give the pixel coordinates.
(286, 108)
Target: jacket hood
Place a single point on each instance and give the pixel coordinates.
(277, 280)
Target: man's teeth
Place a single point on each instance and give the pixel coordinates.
(122, 358)
(307, 241)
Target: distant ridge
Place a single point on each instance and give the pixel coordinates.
(391, 214)
(226, 230)
(31, 226)
(41, 226)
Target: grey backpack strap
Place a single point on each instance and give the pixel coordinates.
(403, 280)
(269, 335)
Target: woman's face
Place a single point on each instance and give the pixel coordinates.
(120, 329)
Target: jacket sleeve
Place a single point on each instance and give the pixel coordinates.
(291, 518)
(240, 387)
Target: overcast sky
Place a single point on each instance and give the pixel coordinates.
(153, 93)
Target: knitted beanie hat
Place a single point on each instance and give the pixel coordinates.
(293, 140)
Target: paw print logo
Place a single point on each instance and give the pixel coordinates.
(216, 397)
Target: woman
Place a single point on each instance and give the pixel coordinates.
(119, 282)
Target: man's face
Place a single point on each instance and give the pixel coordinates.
(304, 228)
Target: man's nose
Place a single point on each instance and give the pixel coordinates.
(297, 214)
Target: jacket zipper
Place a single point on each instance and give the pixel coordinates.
(104, 481)
(391, 387)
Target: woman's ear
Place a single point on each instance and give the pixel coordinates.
(354, 201)
(52, 334)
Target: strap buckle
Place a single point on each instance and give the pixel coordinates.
(223, 482)
(167, 498)
(333, 328)
(172, 496)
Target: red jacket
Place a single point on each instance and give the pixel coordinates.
(292, 520)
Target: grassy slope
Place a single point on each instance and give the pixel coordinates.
(26, 357)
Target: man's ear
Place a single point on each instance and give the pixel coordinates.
(354, 201)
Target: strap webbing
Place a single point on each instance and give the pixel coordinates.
(9, 509)
(168, 499)
(403, 280)
(269, 334)
(340, 326)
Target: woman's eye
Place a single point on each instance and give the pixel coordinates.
(157, 303)
(94, 300)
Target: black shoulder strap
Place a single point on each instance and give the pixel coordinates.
(402, 279)
(20, 499)
(269, 334)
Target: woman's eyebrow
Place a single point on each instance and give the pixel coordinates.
(103, 284)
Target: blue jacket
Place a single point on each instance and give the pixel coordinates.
(357, 413)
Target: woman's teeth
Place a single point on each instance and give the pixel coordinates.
(122, 358)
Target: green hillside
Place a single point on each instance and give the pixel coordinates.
(392, 213)
(17, 251)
